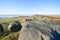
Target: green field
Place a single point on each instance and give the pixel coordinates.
(7, 20)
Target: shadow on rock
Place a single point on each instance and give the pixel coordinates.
(56, 35)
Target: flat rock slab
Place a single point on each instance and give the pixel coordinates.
(34, 30)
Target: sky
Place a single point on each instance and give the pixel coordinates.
(29, 7)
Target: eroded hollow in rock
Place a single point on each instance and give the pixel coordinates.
(15, 26)
(1, 28)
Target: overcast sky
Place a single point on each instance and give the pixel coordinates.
(29, 7)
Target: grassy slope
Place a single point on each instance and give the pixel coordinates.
(5, 23)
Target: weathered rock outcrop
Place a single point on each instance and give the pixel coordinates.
(34, 30)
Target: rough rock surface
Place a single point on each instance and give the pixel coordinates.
(35, 30)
